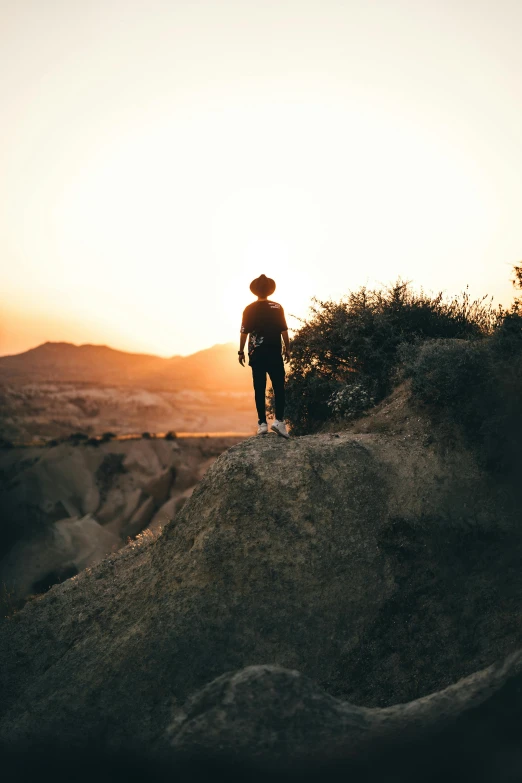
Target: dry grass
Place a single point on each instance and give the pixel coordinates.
(145, 538)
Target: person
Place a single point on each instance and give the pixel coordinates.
(264, 323)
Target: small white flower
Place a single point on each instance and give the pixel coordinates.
(350, 401)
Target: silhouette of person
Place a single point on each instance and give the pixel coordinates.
(264, 323)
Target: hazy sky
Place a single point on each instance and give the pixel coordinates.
(156, 155)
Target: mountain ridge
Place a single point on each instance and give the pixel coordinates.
(67, 362)
(63, 344)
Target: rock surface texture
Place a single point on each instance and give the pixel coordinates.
(268, 711)
(381, 567)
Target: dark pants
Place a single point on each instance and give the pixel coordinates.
(273, 365)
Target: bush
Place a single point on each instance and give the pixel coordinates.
(146, 435)
(76, 437)
(444, 372)
(477, 386)
(171, 435)
(107, 436)
(346, 356)
(111, 466)
(350, 401)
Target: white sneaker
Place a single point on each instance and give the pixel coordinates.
(280, 428)
(262, 429)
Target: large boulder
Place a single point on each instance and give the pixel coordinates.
(272, 712)
(382, 568)
(267, 723)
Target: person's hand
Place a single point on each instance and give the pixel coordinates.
(241, 357)
(286, 355)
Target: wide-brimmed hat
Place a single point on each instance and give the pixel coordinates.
(263, 286)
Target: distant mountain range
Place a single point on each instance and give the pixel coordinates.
(215, 368)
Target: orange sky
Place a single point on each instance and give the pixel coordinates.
(156, 156)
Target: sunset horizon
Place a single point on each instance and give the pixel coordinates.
(230, 344)
(157, 158)
(21, 344)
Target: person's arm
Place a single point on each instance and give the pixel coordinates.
(284, 335)
(241, 355)
(286, 340)
(246, 327)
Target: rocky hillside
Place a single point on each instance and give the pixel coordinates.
(64, 508)
(382, 565)
(58, 389)
(46, 411)
(99, 364)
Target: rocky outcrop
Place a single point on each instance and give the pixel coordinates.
(382, 568)
(62, 479)
(158, 488)
(118, 484)
(268, 711)
(143, 460)
(64, 549)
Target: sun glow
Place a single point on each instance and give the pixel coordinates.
(143, 207)
(164, 230)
